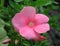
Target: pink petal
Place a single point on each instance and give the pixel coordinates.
(39, 37)
(27, 33)
(28, 12)
(43, 28)
(41, 18)
(6, 41)
(30, 34)
(18, 21)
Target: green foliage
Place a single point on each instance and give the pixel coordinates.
(18, 0)
(3, 34)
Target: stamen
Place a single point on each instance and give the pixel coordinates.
(31, 24)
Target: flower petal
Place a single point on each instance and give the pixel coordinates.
(28, 12)
(39, 37)
(6, 41)
(30, 34)
(27, 33)
(18, 21)
(41, 18)
(43, 28)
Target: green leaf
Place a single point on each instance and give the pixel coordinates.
(15, 5)
(2, 23)
(18, 0)
(3, 35)
(2, 3)
(44, 2)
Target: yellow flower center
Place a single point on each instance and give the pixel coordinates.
(31, 24)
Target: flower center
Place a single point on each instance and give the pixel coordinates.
(31, 24)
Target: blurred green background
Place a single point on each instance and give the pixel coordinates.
(8, 8)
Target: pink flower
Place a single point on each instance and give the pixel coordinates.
(6, 41)
(30, 25)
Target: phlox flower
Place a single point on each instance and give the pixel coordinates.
(30, 25)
